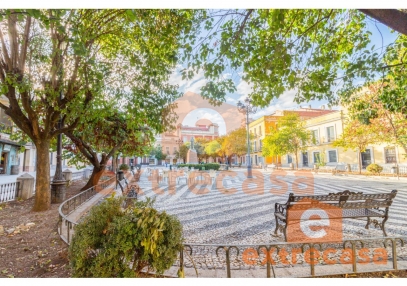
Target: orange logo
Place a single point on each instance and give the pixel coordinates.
(314, 221)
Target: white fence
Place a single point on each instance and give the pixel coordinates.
(8, 191)
(79, 175)
(387, 169)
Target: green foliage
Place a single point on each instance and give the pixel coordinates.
(124, 167)
(212, 148)
(369, 109)
(114, 59)
(116, 242)
(283, 49)
(207, 166)
(393, 79)
(200, 145)
(5, 129)
(374, 169)
(290, 137)
(320, 160)
(357, 136)
(158, 153)
(235, 142)
(182, 152)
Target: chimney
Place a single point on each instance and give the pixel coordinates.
(309, 106)
(323, 107)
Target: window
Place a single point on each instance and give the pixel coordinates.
(330, 134)
(289, 159)
(168, 150)
(255, 146)
(317, 157)
(332, 156)
(175, 150)
(390, 154)
(260, 130)
(260, 145)
(315, 136)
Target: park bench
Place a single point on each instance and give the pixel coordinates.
(352, 205)
(340, 169)
(327, 169)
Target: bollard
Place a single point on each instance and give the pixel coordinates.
(120, 175)
(26, 188)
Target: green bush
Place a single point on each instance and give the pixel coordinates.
(124, 167)
(116, 242)
(374, 168)
(207, 166)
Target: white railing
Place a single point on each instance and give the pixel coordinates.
(8, 191)
(78, 175)
(403, 170)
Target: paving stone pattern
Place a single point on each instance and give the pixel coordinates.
(242, 218)
(248, 218)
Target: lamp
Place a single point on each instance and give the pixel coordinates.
(58, 185)
(247, 108)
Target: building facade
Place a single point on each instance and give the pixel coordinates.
(326, 129)
(264, 125)
(170, 142)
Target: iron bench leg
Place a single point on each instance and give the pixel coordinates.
(281, 228)
(368, 223)
(382, 225)
(277, 225)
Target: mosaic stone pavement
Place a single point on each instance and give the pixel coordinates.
(248, 217)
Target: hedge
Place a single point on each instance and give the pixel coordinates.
(208, 166)
(124, 167)
(116, 242)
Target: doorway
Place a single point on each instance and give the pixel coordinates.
(305, 159)
(366, 158)
(3, 163)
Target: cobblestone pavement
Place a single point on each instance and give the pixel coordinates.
(247, 217)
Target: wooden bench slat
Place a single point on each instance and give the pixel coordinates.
(340, 205)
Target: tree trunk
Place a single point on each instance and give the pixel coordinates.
(359, 163)
(94, 177)
(114, 163)
(296, 160)
(42, 182)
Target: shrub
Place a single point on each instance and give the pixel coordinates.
(116, 242)
(374, 168)
(124, 167)
(207, 166)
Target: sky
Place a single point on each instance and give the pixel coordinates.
(381, 36)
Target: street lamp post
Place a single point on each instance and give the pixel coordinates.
(247, 108)
(58, 185)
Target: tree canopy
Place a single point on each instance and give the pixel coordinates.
(290, 137)
(90, 57)
(357, 136)
(318, 53)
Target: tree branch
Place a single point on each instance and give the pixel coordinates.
(393, 18)
(24, 47)
(6, 56)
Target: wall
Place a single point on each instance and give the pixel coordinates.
(13, 157)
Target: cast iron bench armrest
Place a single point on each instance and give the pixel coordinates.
(280, 208)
